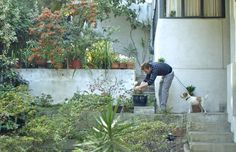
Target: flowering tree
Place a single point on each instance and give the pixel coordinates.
(49, 32)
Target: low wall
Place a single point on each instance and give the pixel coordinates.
(62, 84)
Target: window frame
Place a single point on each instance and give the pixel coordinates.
(163, 9)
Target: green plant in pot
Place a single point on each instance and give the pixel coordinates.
(130, 63)
(190, 89)
(161, 59)
(115, 61)
(123, 61)
(100, 55)
(58, 59)
(76, 56)
(139, 98)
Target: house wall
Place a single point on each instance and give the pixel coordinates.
(231, 72)
(62, 84)
(128, 37)
(199, 51)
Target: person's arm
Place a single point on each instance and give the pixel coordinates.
(144, 83)
(152, 78)
(147, 78)
(142, 86)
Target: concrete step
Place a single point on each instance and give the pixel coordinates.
(208, 117)
(140, 77)
(209, 127)
(202, 136)
(144, 109)
(212, 147)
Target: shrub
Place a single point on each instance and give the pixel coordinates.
(148, 136)
(15, 107)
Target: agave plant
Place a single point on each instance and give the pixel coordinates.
(107, 134)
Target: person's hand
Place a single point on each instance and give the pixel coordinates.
(137, 88)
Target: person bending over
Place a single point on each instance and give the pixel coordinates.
(152, 70)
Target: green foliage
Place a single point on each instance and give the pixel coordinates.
(100, 55)
(118, 8)
(107, 134)
(15, 102)
(16, 143)
(16, 16)
(162, 60)
(190, 89)
(7, 74)
(14, 106)
(90, 102)
(148, 136)
(28, 10)
(45, 100)
(8, 17)
(151, 100)
(53, 4)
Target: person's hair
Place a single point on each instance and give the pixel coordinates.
(145, 65)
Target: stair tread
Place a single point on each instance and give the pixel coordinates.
(212, 143)
(210, 132)
(209, 113)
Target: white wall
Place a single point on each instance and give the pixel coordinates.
(199, 51)
(63, 83)
(231, 96)
(231, 72)
(122, 34)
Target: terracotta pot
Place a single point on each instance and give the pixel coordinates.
(91, 66)
(130, 65)
(18, 65)
(196, 108)
(179, 132)
(115, 65)
(58, 65)
(123, 66)
(41, 62)
(76, 64)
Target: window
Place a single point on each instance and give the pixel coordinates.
(192, 8)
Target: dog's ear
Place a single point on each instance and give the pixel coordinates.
(185, 94)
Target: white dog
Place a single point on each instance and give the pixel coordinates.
(193, 100)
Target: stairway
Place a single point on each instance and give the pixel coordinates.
(209, 133)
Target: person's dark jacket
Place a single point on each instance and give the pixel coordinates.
(158, 69)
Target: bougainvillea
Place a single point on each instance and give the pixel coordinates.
(49, 32)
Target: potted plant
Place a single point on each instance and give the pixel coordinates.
(139, 98)
(123, 61)
(100, 55)
(58, 60)
(161, 59)
(130, 63)
(191, 89)
(115, 61)
(75, 56)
